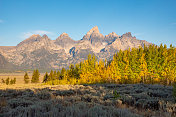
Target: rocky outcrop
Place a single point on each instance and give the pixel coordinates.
(43, 53)
(111, 37)
(5, 65)
(95, 38)
(35, 52)
(65, 42)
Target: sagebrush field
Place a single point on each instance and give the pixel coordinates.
(100, 100)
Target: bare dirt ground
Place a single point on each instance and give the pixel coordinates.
(100, 100)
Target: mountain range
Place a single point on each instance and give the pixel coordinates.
(43, 53)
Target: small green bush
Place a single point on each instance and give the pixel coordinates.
(3, 81)
(116, 95)
(7, 81)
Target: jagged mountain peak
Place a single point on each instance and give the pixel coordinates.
(34, 36)
(111, 37)
(128, 34)
(64, 35)
(65, 42)
(44, 36)
(93, 34)
(93, 30)
(35, 41)
(113, 34)
(38, 51)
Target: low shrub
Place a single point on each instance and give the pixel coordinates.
(174, 91)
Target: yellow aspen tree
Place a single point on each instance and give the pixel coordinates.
(143, 68)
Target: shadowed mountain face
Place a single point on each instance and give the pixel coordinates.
(43, 53)
(5, 65)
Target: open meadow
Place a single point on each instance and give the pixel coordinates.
(97, 100)
(19, 77)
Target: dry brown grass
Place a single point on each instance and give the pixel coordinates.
(81, 100)
(60, 100)
(96, 96)
(39, 86)
(3, 103)
(21, 85)
(19, 77)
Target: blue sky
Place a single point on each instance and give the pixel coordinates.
(150, 20)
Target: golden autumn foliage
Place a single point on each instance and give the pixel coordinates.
(152, 64)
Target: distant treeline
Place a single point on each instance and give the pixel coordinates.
(35, 77)
(152, 64)
(9, 81)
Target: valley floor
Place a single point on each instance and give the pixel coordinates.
(98, 100)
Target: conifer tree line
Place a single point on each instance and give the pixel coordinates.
(150, 65)
(26, 78)
(9, 81)
(35, 77)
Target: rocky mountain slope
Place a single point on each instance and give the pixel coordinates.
(5, 65)
(43, 53)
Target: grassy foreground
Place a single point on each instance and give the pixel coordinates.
(103, 100)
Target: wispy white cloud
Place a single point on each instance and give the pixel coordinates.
(40, 32)
(1, 21)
